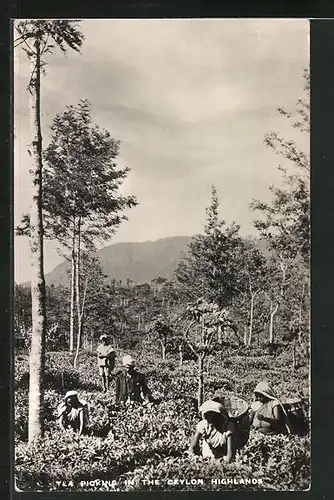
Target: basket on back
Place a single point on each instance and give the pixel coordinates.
(237, 409)
(297, 412)
(235, 406)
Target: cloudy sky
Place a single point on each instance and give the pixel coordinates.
(190, 101)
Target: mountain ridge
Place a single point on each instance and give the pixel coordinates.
(137, 261)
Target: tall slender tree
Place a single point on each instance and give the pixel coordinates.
(211, 268)
(284, 221)
(81, 199)
(200, 335)
(162, 328)
(81, 196)
(37, 38)
(253, 268)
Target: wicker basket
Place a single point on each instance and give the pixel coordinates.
(236, 407)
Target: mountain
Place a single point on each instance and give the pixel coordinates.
(139, 262)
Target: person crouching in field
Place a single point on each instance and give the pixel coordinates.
(131, 385)
(216, 431)
(73, 413)
(268, 415)
(106, 361)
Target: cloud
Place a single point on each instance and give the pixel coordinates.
(190, 101)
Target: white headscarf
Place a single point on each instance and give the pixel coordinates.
(69, 394)
(213, 406)
(128, 360)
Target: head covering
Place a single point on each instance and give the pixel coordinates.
(69, 394)
(266, 390)
(104, 336)
(213, 406)
(128, 360)
(62, 407)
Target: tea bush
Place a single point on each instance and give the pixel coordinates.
(130, 446)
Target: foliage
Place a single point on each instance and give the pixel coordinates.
(60, 34)
(57, 318)
(211, 268)
(81, 177)
(151, 442)
(36, 38)
(162, 328)
(284, 224)
(232, 285)
(22, 311)
(286, 219)
(279, 458)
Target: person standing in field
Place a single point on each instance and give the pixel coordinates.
(131, 385)
(106, 361)
(216, 432)
(73, 413)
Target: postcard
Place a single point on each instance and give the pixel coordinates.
(162, 255)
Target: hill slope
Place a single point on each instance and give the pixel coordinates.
(139, 262)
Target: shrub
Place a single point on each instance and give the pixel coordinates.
(283, 460)
(143, 442)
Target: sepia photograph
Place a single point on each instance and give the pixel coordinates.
(161, 320)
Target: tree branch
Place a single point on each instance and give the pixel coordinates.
(191, 347)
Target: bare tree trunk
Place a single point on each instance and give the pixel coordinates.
(77, 278)
(81, 313)
(219, 335)
(77, 293)
(283, 269)
(293, 355)
(180, 355)
(163, 350)
(301, 314)
(251, 314)
(200, 387)
(73, 281)
(245, 335)
(271, 325)
(38, 312)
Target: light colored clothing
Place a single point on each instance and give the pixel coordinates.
(265, 389)
(105, 370)
(128, 360)
(70, 394)
(108, 354)
(74, 414)
(213, 406)
(214, 441)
